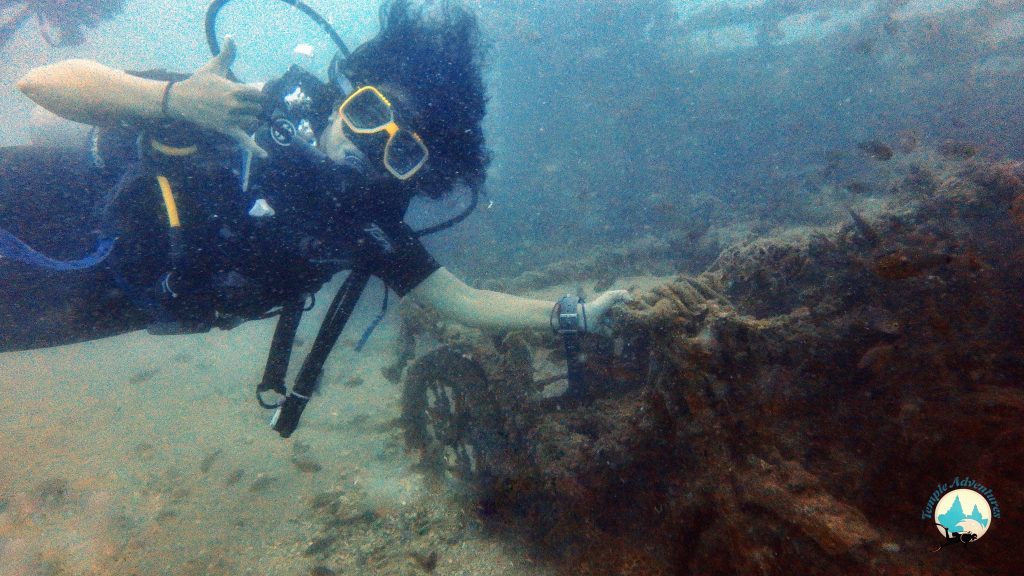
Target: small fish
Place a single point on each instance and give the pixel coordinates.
(864, 46)
(856, 187)
(909, 140)
(425, 561)
(891, 26)
(143, 376)
(262, 483)
(234, 478)
(304, 50)
(877, 358)
(876, 149)
(208, 460)
(957, 150)
(321, 546)
(864, 228)
(306, 465)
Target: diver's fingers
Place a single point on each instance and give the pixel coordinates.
(612, 297)
(597, 310)
(248, 123)
(248, 93)
(220, 63)
(621, 296)
(226, 58)
(246, 141)
(247, 109)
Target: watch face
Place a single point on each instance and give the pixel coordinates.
(568, 314)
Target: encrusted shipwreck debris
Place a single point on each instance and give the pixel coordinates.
(788, 411)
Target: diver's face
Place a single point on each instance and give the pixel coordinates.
(335, 143)
(366, 125)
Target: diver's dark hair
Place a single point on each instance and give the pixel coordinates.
(69, 20)
(433, 55)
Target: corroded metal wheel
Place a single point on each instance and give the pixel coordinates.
(451, 418)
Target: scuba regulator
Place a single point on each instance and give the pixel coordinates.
(297, 109)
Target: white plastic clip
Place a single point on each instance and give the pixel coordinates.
(261, 209)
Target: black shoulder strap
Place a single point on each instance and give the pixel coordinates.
(286, 419)
(280, 352)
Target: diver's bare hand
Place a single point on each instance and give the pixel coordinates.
(597, 310)
(209, 100)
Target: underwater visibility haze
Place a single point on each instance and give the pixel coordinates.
(817, 208)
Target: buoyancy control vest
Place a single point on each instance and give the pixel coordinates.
(188, 250)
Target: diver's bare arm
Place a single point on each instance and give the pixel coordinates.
(485, 309)
(91, 93)
(494, 310)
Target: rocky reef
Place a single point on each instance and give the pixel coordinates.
(788, 410)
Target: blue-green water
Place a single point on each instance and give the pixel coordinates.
(610, 122)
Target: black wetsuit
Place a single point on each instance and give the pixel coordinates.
(234, 266)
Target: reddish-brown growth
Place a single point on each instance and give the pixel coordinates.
(1017, 210)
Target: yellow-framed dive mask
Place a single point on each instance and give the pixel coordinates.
(367, 111)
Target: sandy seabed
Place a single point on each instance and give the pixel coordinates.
(148, 455)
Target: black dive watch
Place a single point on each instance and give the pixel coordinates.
(569, 319)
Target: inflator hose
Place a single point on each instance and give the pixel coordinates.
(214, 9)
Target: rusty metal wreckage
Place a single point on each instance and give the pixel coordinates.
(789, 407)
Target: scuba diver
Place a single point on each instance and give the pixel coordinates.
(953, 538)
(200, 202)
(60, 21)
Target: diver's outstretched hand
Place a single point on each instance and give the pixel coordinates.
(598, 317)
(209, 100)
